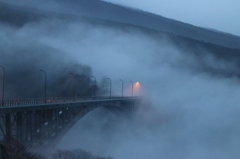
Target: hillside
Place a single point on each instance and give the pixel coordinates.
(108, 11)
(19, 16)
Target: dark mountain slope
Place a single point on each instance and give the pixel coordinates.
(108, 11)
(19, 16)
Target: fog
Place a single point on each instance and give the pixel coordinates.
(187, 112)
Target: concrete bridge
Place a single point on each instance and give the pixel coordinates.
(36, 122)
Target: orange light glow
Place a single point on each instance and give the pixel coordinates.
(137, 88)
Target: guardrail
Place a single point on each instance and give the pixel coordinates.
(35, 101)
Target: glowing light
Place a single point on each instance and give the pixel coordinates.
(137, 88)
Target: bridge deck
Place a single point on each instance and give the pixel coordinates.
(58, 104)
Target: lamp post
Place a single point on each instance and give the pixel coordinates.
(3, 80)
(122, 86)
(110, 87)
(94, 95)
(132, 87)
(45, 92)
(139, 87)
(74, 87)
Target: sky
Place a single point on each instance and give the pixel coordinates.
(221, 15)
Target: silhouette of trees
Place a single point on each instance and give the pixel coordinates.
(75, 154)
(12, 149)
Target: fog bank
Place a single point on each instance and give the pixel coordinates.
(191, 112)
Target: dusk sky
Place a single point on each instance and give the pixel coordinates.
(222, 15)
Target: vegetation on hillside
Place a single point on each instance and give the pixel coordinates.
(12, 149)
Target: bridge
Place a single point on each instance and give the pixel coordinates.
(37, 122)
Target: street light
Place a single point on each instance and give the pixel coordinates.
(122, 86)
(110, 86)
(3, 79)
(132, 87)
(139, 88)
(74, 87)
(94, 95)
(45, 94)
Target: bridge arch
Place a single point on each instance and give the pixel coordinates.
(44, 124)
(112, 108)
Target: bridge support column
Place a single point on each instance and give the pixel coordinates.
(48, 121)
(8, 126)
(37, 127)
(19, 131)
(29, 128)
(56, 122)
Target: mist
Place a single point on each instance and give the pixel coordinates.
(190, 101)
(189, 112)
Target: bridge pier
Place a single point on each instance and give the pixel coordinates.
(19, 131)
(29, 127)
(8, 125)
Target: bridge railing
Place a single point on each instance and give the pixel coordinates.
(35, 101)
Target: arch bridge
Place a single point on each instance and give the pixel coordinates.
(35, 123)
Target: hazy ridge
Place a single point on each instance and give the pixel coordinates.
(20, 16)
(108, 11)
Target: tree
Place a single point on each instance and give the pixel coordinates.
(12, 149)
